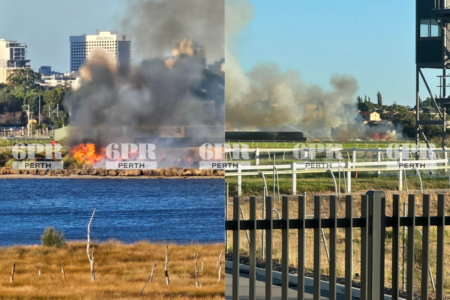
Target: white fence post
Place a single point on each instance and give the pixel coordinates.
(378, 160)
(400, 177)
(294, 179)
(448, 175)
(349, 178)
(257, 157)
(239, 181)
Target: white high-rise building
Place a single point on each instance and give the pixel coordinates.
(111, 41)
(12, 56)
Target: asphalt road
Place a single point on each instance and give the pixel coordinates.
(260, 288)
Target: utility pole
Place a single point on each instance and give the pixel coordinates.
(28, 115)
(39, 116)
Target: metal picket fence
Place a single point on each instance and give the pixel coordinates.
(372, 224)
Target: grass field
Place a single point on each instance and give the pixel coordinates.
(323, 183)
(121, 272)
(11, 142)
(309, 254)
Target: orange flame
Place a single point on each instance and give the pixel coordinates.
(86, 153)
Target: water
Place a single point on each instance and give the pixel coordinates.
(129, 210)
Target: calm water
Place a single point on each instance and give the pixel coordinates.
(128, 210)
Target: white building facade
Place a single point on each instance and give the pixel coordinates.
(12, 56)
(111, 41)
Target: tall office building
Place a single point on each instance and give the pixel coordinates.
(12, 56)
(111, 41)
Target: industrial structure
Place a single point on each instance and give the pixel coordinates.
(111, 41)
(432, 52)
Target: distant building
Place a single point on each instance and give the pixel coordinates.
(12, 56)
(370, 116)
(51, 78)
(45, 70)
(111, 41)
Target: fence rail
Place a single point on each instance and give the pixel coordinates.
(347, 167)
(373, 223)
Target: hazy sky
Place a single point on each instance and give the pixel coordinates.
(45, 26)
(371, 40)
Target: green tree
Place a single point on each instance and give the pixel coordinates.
(52, 237)
(22, 79)
(366, 106)
(379, 100)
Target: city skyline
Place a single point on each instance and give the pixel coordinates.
(48, 40)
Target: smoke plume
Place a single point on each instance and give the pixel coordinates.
(119, 105)
(266, 98)
(161, 24)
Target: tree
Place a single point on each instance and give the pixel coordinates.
(22, 79)
(367, 106)
(369, 100)
(379, 100)
(365, 99)
(359, 100)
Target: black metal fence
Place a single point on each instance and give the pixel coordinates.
(373, 223)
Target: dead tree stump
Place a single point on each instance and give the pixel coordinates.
(167, 267)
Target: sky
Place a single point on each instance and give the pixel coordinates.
(45, 26)
(371, 40)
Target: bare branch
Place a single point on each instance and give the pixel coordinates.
(12, 273)
(149, 279)
(91, 260)
(167, 267)
(196, 269)
(62, 271)
(220, 265)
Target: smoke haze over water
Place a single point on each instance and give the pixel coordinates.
(267, 98)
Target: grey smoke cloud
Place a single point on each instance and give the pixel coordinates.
(267, 98)
(156, 26)
(126, 104)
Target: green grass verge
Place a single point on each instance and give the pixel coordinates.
(323, 183)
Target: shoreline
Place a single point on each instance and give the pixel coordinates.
(116, 242)
(168, 173)
(71, 176)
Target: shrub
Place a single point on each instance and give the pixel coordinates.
(52, 237)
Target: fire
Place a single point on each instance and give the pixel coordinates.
(387, 136)
(86, 153)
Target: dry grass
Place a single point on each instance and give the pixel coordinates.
(293, 234)
(121, 272)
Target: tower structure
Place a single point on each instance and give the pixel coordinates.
(433, 52)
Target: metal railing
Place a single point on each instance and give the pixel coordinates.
(373, 223)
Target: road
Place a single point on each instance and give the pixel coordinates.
(260, 288)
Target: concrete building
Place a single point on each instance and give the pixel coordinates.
(12, 56)
(111, 41)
